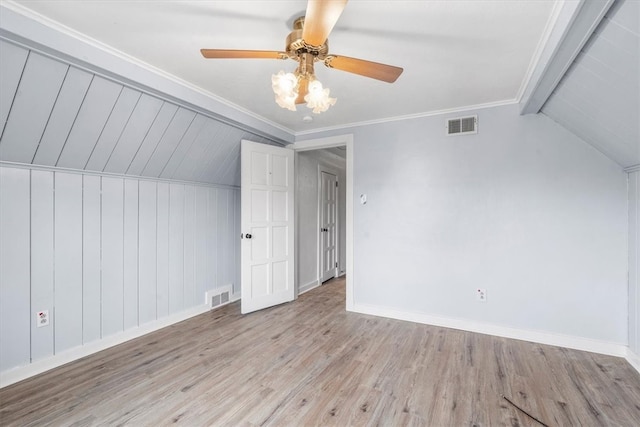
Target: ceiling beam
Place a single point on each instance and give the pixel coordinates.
(574, 26)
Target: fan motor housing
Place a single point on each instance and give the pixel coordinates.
(296, 45)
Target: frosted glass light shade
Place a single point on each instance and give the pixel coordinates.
(285, 87)
(318, 97)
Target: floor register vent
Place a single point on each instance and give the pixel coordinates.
(218, 297)
(462, 125)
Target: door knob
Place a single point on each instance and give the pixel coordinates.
(248, 236)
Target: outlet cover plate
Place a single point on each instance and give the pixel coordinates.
(42, 318)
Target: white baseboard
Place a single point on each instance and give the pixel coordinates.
(633, 359)
(308, 286)
(18, 374)
(568, 341)
(578, 343)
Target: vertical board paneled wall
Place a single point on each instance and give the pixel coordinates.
(105, 255)
(634, 262)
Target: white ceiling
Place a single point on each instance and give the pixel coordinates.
(455, 53)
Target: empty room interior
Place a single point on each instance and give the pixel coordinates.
(320, 212)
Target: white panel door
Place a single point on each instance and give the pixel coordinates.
(328, 225)
(267, 223)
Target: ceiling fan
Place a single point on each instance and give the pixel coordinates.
(306, 44)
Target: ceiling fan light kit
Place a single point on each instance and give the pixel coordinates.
(301, 86)
(306, 44)
(287, 86)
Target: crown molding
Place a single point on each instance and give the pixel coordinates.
(634, 168)
(409, 117)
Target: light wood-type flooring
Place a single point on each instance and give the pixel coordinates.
(311, 363)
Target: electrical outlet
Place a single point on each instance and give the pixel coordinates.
(481, 294)
(42, 318)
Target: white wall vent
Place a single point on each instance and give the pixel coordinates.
(218, 297)
(462, 125)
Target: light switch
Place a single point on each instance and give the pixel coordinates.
(363, 199)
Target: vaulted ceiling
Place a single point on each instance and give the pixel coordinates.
(120, 86)
(54, 114)
(454, 53)
(598, 98)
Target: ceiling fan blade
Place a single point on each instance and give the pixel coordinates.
(242, 54)
(374, 70)
(319, 20)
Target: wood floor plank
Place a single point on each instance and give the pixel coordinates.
(311, 363)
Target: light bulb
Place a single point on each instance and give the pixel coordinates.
(315, 87)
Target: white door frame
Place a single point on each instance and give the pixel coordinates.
(337, 141)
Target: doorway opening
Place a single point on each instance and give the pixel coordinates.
(324, 212)
(321, 217)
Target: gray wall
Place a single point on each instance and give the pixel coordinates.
(105, 255)
(307, 187)
(524, 209)
(634, 263)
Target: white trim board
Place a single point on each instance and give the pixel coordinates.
(631, 169)
(309, 286)
(4, 163)
(576, 343)
(314, 284)
(18, 374)
(633, 359)
(456, 110)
